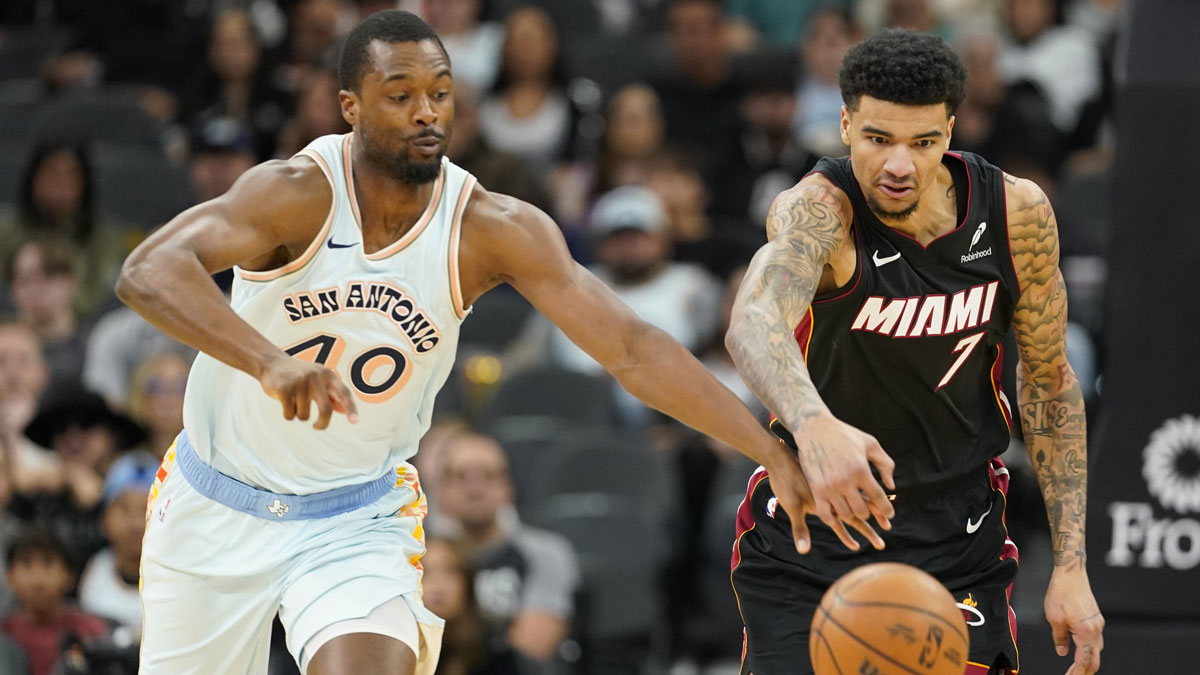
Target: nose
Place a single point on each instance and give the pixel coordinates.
(424, 114)
(899, 162)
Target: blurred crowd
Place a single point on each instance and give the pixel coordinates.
(571, 529)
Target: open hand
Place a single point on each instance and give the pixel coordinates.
(837, 459)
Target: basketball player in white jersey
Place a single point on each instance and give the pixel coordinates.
(356, 261)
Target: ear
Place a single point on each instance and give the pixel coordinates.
(950, 130)
(349, 102)
(845, 126)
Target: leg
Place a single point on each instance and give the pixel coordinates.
(386, 641)
(363, 654)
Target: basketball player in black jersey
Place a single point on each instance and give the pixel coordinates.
(873, 321)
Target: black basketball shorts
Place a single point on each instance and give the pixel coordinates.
(956, 533)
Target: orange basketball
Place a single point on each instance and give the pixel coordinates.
(887, 618)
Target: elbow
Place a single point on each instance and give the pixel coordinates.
(132, 286)
(734, 337)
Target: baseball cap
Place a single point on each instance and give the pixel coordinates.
(628, 208)
(133, 472)
(222, 134)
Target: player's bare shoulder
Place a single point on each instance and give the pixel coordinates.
(291, 196)
(813, 202)
(1032, 230)
(500, 233)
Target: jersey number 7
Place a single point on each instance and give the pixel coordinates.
(964, 348)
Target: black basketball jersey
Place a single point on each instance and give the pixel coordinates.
(909, 350)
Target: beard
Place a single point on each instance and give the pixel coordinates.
(884, 214)
(396, 163)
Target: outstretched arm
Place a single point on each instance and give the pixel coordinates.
(522, 246)
(1053, 419)
(806, 226)
(272, 208)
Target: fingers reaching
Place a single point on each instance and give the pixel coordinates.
(883, 463)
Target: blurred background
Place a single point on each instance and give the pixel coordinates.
(571, 529)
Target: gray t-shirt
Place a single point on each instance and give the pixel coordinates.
(532, 570)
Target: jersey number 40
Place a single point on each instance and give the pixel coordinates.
(376, 374)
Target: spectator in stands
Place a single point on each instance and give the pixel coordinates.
(58, 199)
(780, 22)
(473, 45)
(769, 158)
(234, 81)
(318, 113)
(43, 287)
(528, 112)
(118, 344)
(109, 584)
(1008, 124)
(634, 132)
(222, 150)
(715, 242)
(698, 96)
(499, 170)
(633, 247)
(86, 436)
(526, 577)
(1062, 60)
(39, 572)
(831, 33)
(24, 467)
(315, 28)
(918, 15)
(447, 588)
(156, 399)
(146, 43)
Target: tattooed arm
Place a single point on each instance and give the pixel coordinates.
(1052, 417)
(806, 227)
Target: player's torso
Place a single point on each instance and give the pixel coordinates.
(387, 322)
(909, 349)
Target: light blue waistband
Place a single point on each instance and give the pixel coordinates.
(269, 505)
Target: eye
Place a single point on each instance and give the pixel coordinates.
(442, 95)
(400, 98)
(877, 140)
(925, 143)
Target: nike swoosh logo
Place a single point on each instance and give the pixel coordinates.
(971, 527)
(880, 262)
(330, 244)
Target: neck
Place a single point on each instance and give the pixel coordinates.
(55, 328)
(389, 206)
(480, 537)
(128, 564)
(936, 213)
(44, 616)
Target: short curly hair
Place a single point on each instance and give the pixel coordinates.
(903, 66)
(389, 26)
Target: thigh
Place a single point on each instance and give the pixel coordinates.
(205, 610)
(387, 640)
(353, 566)
(198, 626)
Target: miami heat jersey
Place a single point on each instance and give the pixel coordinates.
(387, 322)
(910, 349)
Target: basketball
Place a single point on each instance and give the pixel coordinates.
(888, 618)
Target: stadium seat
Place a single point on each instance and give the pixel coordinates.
(13, 156)
(548, 393)
(137, 185)
(115, 118)
(495, 320)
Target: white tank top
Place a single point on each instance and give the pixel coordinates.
(387, 322)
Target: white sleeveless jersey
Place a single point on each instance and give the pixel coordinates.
(387, 322)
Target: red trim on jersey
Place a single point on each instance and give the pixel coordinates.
(804, 333)
(998, 475)
(1008, 239)
(998, 388)
(745, 519)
